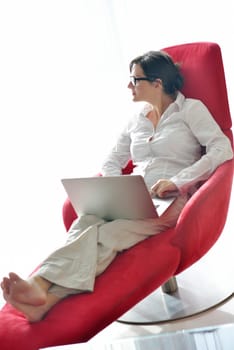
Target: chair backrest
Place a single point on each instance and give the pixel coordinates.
(203, 71)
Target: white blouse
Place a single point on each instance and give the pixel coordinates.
(172, 150)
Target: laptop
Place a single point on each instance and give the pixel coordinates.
(114, 197)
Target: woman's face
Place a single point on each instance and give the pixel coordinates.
(142, 90)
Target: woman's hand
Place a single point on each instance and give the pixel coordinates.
(164, 188)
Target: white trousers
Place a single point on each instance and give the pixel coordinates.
(93, 244)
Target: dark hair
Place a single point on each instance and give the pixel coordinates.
(158, 64)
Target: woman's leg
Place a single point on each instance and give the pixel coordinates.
(73, 268)
(123, 234)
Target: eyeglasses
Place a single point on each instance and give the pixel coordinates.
(134, 80)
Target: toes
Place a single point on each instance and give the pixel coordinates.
(5, 285)
(2, 284)
(14, 277)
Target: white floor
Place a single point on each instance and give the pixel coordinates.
(222, 314)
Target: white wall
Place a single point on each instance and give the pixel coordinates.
(64, 97)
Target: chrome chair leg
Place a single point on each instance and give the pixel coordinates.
(170, 286)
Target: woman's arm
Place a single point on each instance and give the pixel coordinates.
(119, 156)
(209, 135)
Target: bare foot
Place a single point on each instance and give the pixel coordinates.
(23, 291)
(28, 296)
(34, 313)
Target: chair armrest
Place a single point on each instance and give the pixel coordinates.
(203, 218)
(68, 213)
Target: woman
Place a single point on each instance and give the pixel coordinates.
(164, 142)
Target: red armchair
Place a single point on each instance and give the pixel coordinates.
(127, 280)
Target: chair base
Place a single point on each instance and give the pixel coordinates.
(202, 286)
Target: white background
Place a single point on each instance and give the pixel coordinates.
(64, 98)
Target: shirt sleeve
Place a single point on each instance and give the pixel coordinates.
(119, 156)
(217, 145)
